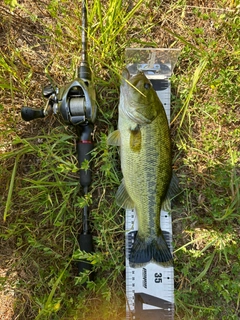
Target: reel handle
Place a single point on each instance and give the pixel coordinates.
(29, 114)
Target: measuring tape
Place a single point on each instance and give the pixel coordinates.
(150, 289)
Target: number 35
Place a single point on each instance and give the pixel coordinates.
(158, 277)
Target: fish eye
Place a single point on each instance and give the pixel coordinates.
(147, 85)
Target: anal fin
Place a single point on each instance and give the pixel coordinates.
(122, 197)
(173, 191)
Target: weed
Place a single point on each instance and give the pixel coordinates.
(41, 200)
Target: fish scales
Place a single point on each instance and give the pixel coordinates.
(145, 151)
(142, 171)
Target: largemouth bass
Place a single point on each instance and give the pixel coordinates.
(145, 151)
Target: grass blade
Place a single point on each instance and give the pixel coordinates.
(10, 191)
(207, 266)
(199, 70)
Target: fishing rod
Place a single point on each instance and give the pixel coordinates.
(75, 102)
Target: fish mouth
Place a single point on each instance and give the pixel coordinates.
(136, 114)
(126, 80)
(125, 75)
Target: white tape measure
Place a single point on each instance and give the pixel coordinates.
(150, 289)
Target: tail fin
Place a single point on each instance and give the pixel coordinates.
(145, 250)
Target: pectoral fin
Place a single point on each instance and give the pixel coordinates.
(122, 198)
(135, 139)
(172, 192)
(114, 138)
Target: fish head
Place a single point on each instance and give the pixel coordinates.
(138, 99)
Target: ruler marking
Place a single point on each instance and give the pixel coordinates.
(149, 299)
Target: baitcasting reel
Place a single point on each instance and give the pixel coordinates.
(75, 102)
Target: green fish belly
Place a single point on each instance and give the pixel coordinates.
(146, 167)
(145, 149)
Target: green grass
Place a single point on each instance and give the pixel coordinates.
(41, 200)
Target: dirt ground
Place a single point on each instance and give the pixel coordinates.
(23, 34)
(6, 300)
